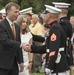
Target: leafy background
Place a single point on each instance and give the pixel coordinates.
(38, 5)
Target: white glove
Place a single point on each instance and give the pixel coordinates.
(47, 71)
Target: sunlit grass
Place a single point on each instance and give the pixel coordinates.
(37, 74)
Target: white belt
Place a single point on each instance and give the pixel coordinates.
(59, 55)
(61, 49)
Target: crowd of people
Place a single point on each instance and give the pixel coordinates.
(34, 40)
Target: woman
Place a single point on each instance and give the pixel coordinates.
(26, 37)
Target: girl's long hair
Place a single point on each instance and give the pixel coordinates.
(19, 22)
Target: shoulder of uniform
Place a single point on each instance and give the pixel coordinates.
(56, 27)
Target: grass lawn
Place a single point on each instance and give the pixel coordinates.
(37, 74)
(40, 74)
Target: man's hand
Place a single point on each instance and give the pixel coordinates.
(21, 65)
(29, 67)
(26, 47)
(47, 71)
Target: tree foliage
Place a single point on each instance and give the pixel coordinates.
(37, 5)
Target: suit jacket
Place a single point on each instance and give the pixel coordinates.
(9, 48)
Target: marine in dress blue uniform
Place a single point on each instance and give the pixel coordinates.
(67, 27)
(55, 46)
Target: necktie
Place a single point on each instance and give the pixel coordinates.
(13, 30)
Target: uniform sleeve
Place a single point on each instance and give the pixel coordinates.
(38, 49)
(38, 38)
(54, 46)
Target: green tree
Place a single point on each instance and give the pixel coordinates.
(37, 5)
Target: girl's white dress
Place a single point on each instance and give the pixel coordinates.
(25, 38)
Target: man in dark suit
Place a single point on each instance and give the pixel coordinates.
(10, 45)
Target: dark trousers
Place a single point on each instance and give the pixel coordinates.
(13, 71)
